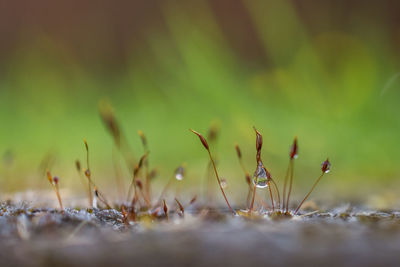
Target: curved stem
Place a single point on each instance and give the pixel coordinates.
(254, 195)
(291, 165)
(219, 182)
(312, 188)
(165, 190)
(270, 194)
(284, 187)
(277, 191)
(132, 185)
(102, 199)
(147, 178)
(247, 175)
(90, 194)
(58, 196)
(248, 196)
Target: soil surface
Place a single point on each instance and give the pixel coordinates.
(344, 236)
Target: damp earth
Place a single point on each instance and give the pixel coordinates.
(345, 236)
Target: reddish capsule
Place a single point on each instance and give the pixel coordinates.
(181, 208)
(294, 149)
(202, 139)
(326, 166)
(259, 140)
(56, 179)
(165, 208)
(238, 152)
(139, 184)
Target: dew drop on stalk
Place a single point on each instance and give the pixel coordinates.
(179, 173)
(260, 178)
(224, 183)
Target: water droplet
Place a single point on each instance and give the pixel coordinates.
(224, 183)
(179, 173)
(260, 178)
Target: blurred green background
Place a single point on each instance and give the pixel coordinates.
(325, 71)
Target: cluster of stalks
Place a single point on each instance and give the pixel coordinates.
(262, 178)
(139, 199)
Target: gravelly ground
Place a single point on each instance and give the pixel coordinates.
(344, 236)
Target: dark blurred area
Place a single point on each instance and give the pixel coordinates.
(101, 34)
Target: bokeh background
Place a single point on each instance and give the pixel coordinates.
(325, 71)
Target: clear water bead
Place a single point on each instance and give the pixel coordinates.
(260, 178)
(179, 173)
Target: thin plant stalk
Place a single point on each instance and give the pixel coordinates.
(291, 164)
(136, 197)
(146, 165)
(54, 183)
(212, 137)
(270, 193)
(284, 187)
(88, 174)
(309, 193)
(293, 155)
(255, 197)
(205, 144)
(136, 171)
(101, 197)
(58, 196)
(219, 182)
(78, 168)
(254, 194)
(247, 175)
(277, 192)
(165, 189)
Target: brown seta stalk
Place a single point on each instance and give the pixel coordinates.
(91, 184)
(289, 174)
(88, 174)
(136, 171)
(54, 183)
(325, 168)
(147, 184)
(212, 137)
(205, 144)
(246, 173)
